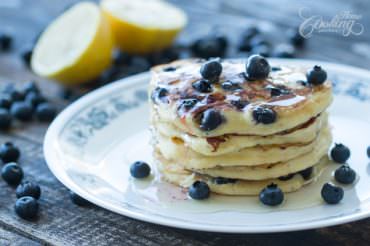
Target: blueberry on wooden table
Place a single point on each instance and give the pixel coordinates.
(5, 101)
(34, 98)
(210, 46)
(28, 188)
(264, 115)
(340, 153)
(30, 86)
(332, 194)
(211, 70)
(45, 112)
(245, 40)
(26, 207)
(257, 67)
(139, 169)
(76, 199)
(9, 152)
(5, 119)
(296, 38)
(345, 175)
(22, 111)
(26, 56)
(199, 190)
(316, 76)
(12, 173)
(272, 195)
(211, 119)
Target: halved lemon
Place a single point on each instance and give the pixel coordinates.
(76, 47)
(143, 26)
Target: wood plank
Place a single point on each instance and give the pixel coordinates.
(10, 238)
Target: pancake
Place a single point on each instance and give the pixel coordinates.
(254, 156)
(220, 145)
(185, 178)
(298, 104)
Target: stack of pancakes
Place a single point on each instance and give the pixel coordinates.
(241, 156)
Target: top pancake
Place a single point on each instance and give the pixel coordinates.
(298, 104)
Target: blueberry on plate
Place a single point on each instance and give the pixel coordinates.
(203, 86)
(316, 76)
(332, 194)
(239, 104)
(21, 111)
(12, 173)
(9, 152)
(211, 119)
(230, 86)
(257, 67)
(264, 115)
(45, 112)
(272, 195)
(28, 188)
(211, 70)
(140, 169)
(5, 42)
(5, 101)
(340, 153)
(34, 98)
(76, 199)
(199, 190)
(345, 175)
(5, 119)
(26, 207)
(276, 91)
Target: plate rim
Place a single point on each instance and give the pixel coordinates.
(65, 115)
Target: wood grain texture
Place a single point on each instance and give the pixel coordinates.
(63, 223)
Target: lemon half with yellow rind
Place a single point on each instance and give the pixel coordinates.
(143, 26)
(76, 47)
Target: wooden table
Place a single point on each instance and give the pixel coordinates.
(63, 223)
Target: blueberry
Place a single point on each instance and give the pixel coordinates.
(368, 151)
(208, 47)
(26, 207)
(284, 51)
(262, 50)
(211, 70)
(199, 190)
(21, 111)
(5, 101)
(188, 103)
(45, 112)
(140, 169)
(28, 188)
(5, 42)
(264, 115)
(230, 86)
(345, 175)
(296, 38)
(26, 56)
(30, 86)
(340, 153)
(239, 104)
(16, 95)
(76, 199)
(202, 85)
(306, 173)
(34, 98)
(12, 173)
(221, 180)
(272, 195)
(159, 94)
(211, 119)
(257, 67)
(286, 177)
(332, 194)
(5, 119)
(9, 152)
(275, 91)
(316, 76)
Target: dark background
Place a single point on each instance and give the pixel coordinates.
(63, 223)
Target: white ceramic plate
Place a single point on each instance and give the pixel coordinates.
(91, 144)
